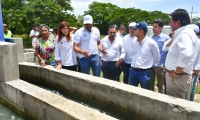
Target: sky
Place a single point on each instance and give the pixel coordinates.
(166, 6)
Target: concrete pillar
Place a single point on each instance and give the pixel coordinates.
(9, 68)
(20, 47)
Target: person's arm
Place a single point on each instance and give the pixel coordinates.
(122, 54)
(57, 54)
(37, 53)
(76, 46)
(156, 53)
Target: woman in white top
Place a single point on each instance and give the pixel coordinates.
(64, 52)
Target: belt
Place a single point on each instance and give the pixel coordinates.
(109, 61)
(140, 69)
(183, 73)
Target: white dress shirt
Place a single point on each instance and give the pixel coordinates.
(145, 55)
(165, 48)
(115, 50)
(119, 35)
(34, 39)
(64, 51)
(87, 40)
(128, 42)
(183, 50)
(197, 60)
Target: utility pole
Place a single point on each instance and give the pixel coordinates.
(192, 12)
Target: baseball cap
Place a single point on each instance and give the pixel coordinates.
(132, 24)
(140, 25)
(87, 19)
(5, 25)
(195, 28)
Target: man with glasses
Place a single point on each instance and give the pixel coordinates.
(145, 54)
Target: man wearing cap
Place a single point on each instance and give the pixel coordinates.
(7, 33)
(128, 42)
(158, 69)
(87, 43)
(196, 68)
(145, 54)
(181, 55)
(34, 34)
(114, 47)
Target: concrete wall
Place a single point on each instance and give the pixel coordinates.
(125, 98)
(9, 69)
(44, 105)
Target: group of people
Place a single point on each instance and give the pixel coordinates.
(141, 58)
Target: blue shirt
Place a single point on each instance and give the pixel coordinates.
(160, 40)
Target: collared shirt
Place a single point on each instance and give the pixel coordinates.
(160, 40)
(119, 35)
(115, 50)
(32, 33)
(183, 50)
(145, 55)
(197, 60)
(64, 51)
(87, 40)
(165, 48)
(128, 42)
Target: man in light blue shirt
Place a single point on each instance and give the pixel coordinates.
(158, 69)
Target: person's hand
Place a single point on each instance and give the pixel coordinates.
(85, 53)
(59, 66)
(118, 62)
(42, 63)
(172, 74)
(104, 52)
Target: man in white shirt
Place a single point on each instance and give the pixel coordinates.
(34, 34)
(128, 42)
(159, 70)
(145, 54)
(87, 43)
(181, 55)
(121, 31)
(114, 48)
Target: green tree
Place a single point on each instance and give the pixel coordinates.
(100, 13)
(21, 14)
(196, 21)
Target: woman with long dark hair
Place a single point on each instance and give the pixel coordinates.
(64, 52)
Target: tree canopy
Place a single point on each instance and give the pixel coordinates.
(21, 14)
(105, 14)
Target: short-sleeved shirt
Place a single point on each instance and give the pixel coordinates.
(87, 40)
(34, 39)
(46, 49)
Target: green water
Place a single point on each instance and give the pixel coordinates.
(7, 114)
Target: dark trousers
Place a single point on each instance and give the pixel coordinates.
(73, 68)
(109, 69)
(126, 68)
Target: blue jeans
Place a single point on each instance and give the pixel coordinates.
(94, 62)
(109, 69)
(193, 88)
(126, 68)
(140, 76)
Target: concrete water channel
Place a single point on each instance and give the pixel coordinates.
(51, 94)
